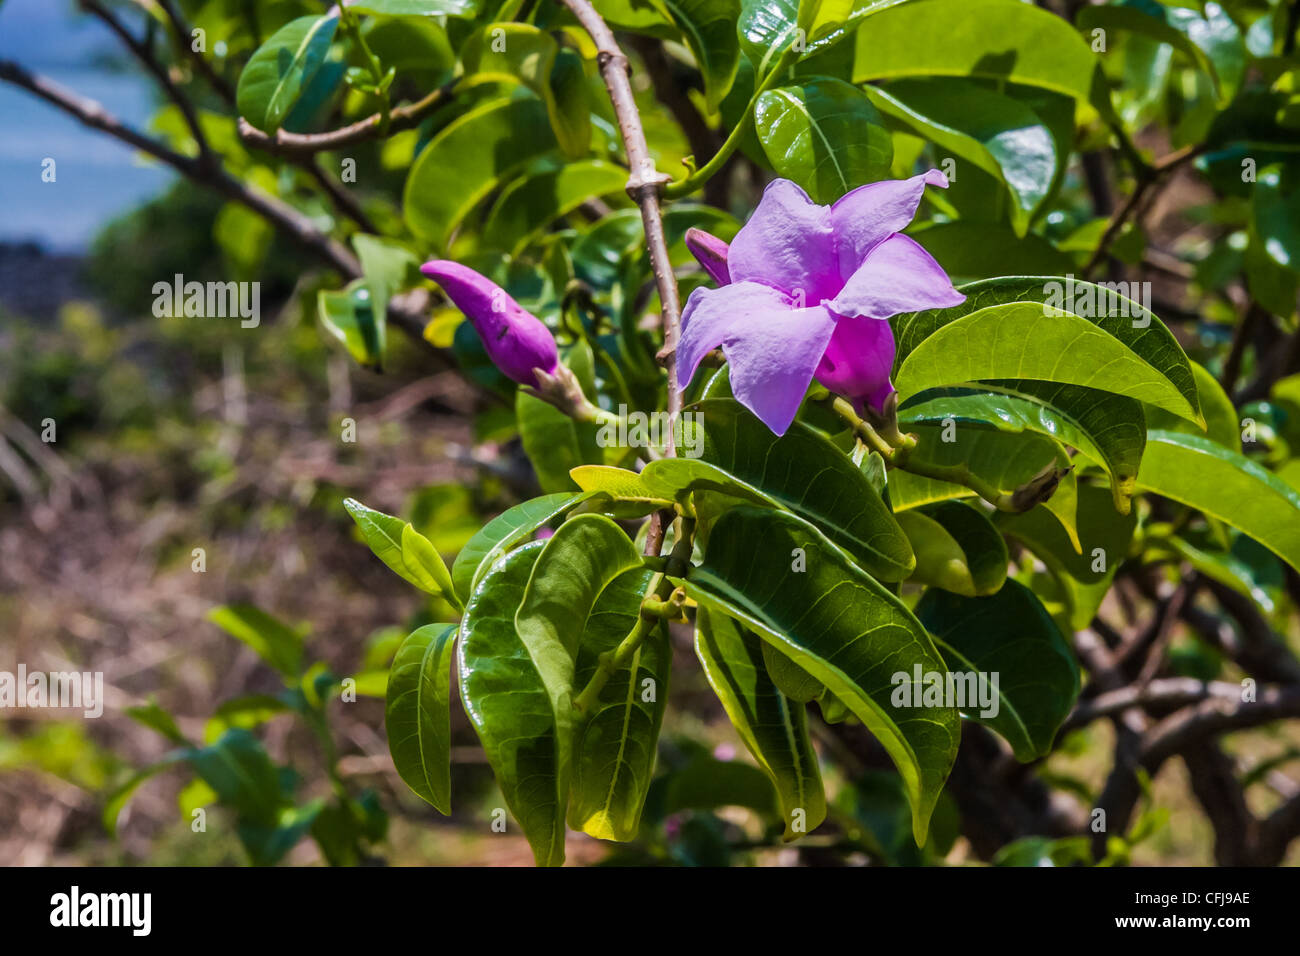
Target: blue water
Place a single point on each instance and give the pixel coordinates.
(98, 177)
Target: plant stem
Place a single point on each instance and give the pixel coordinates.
(650, 616)
(644, 186)
(684, 187)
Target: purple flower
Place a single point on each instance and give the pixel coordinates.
(806, 292)
(516, 340)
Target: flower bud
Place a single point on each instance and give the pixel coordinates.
(516, 340)
(711, 252)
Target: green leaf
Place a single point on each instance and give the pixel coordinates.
(553, 441)
(957, 548)
(1009, 637)
(507, 702)
(417, 8)
(417, 712)
(773, 728)
(349, 316)
(1204, 475)
(804, 473)
(1103, 306)
(532, 202)
(631, 495)
(1275, 205)
(1109, 429)
(407, 552)
(280, 70)
(791, 679)
(988, 129)
(521, 53)
(614, 753)
(246, 711)
(121, 795)
(512, 527)
(155, 718)
(576, 566)
(1140, 21)
(468, 160)
(975, 250)
(1019, 340)
(838, 624)
(996, 39)
(1005, 461)
(275, 642)
(1222, 424)
(709, 27)
(241, 774)
(825, 135)
(385, 265)
(1104, 537)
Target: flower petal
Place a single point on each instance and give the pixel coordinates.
(897, 276)
(858, 360)
(871, 213)
(516, 341)
(711, 252)
(771, 347)
(787, 244)
(772, 361)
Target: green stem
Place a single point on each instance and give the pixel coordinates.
(649, 617)
(684, 187)
(352, 24)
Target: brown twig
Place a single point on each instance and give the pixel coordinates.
(643, 185)
(284, 217)
(284, 143)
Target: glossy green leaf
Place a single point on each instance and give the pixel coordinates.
(386, 266)
(1005, 461)
(1222, 424)
(281, 69)
(988, 129)
(1018, 340)
(574, 570)
(803, 472)
(531, 203)
(969, 557)
(790, 679)
(995, 39)
(417, 8)
(553, 442)
(614, 753)
(507, 702)
(1141, 21)
(1109, 429)
(349, 316)
(632, 496)
(1104, 537)
(521, 53)
(1009, 636)
(469, 159)
(1063, 302)
(1204, 475)
(1276, 209)
(417, 712)
(407, 552)
(275, 642)
(841, 626)
(825, 135)
(512, 527)
(774, 728)
(709, 28)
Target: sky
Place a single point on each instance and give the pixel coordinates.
(97, 178)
